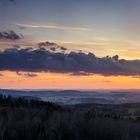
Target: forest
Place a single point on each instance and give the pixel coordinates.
(23, 119)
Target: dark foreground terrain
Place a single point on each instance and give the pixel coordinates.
(22, 119)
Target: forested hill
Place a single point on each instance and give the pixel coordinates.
(22, 119)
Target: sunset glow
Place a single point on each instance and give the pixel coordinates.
(65, 81)
(104, 37)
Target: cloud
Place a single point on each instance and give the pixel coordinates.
(10, 35)
(46, 44)
(26, 74)
(63, 48)
(51, 46)
(74, 63)
(53, 26)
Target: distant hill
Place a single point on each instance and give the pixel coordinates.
(69, 97)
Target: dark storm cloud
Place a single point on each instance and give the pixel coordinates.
(10, 35)
(75, 63)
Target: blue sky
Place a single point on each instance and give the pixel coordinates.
(102, 27)
(90, 25)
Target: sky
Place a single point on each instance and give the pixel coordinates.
(70, 44)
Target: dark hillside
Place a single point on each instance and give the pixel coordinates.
(22, 119)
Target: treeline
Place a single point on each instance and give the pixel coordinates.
(22, 119)
(8, 100)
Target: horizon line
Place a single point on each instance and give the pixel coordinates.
(61, 89)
